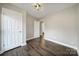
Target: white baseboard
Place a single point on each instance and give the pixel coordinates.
(78, 51)
(30, 38)
(57, 43)
(1, 52)
(23, 44)
(62, 43)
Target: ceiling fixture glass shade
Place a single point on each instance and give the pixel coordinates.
(37, 6)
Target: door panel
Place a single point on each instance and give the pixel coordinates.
(12, 29)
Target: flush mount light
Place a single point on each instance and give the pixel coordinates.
(37, 6)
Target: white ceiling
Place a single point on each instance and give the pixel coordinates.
(47, 8)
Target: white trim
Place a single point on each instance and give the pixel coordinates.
(23, 44)
(62, 43)
(2, 52)
(57, 43)
(12, 48)
(29, 38)
(78, 51)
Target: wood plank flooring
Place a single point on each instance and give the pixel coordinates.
(33, 49)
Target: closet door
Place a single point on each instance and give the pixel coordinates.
(11, 29)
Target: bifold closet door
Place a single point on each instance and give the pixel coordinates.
(11, 29)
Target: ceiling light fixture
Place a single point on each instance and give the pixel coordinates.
(37, 6)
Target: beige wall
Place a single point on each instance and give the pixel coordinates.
(77, 27)
(61, 27)
(36, 29)
(30, 26)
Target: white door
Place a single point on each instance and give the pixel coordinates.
(11, 29)
(36, 29)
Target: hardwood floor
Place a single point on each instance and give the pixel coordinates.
(33, 49)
